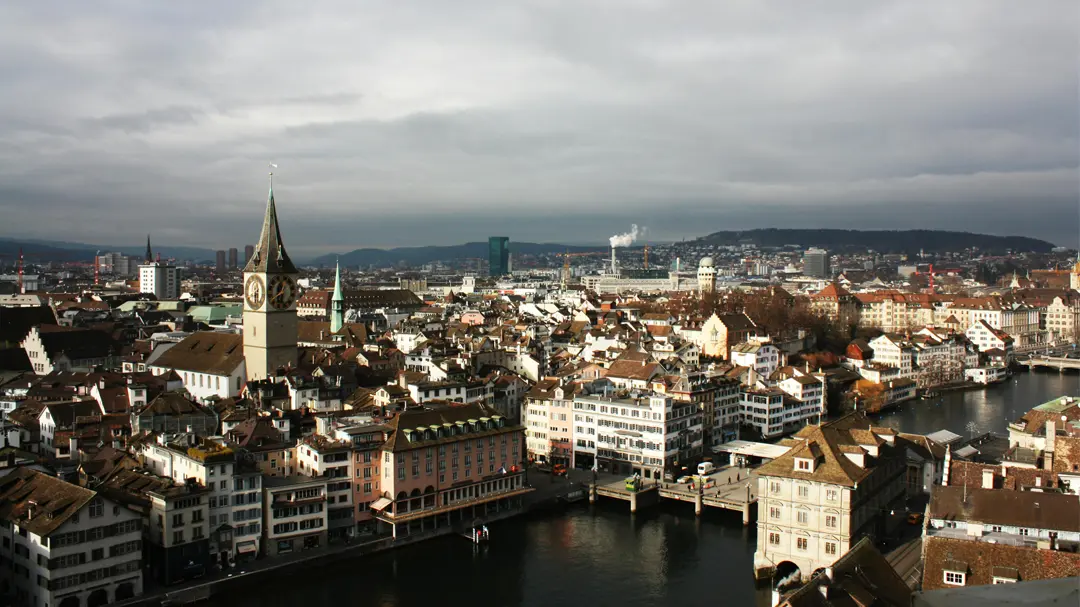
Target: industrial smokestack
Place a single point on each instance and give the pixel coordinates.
(613, 269)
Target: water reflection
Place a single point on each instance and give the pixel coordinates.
(991, 409)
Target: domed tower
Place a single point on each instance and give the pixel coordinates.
(1074, 276)
(706, 276)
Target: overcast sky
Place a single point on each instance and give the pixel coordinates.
(413, 122)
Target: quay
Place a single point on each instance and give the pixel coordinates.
(544, 492)
(730, 488)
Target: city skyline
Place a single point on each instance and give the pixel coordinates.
(403, 127)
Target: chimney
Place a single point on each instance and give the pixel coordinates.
(1051, 438)
(948, 464)
(987, 479)
(1038, 481)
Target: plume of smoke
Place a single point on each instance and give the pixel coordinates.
(627, 239)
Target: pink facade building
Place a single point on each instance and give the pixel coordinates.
(451, 466)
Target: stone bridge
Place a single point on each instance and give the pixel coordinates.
(1051, 362)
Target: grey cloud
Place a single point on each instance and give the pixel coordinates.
(141, 122)
(411, 123)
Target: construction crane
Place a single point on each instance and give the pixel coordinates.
(566, 262)
(20, 262)
(646, 257)
(930, 273)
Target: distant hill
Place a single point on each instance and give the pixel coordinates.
(422, 255)
(882, 241)
(51, 250)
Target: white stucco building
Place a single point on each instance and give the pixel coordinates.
(646, 433)
(235, 499)
(65, 545)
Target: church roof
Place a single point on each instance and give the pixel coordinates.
(337, 283)
(270, 255)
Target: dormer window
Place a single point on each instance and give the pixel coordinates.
(955, 578)
(804, 464)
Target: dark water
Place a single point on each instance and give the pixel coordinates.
(990, 409)
(605, 556)
(588, 557)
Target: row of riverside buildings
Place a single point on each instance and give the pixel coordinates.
(1027, 318)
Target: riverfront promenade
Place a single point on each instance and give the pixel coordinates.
(547, 491)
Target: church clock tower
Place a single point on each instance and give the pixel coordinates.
(269, 302)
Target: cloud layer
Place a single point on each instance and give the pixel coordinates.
(405, 123)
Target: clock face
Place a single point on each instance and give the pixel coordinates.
(282, 292)
(254, 292)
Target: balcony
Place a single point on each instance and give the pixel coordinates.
(281, 500)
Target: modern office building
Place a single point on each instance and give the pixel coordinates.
(233, 254)
(220, 264)
(498, 256)
(816, 263)
(249, 250)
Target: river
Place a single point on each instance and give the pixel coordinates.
(602, 556)
(990, 409)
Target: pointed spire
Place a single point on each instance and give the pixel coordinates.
(270, 255)
(337, 302)
(149, 256)
(337, 282)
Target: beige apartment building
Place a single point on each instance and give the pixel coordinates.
(839, 482)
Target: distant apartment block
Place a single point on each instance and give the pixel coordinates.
(816, 263)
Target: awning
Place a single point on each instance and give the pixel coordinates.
(246, 547)
(381, 503)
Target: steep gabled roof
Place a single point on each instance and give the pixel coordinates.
(39, 502)
(173, 404)
(827, 445)
(205, 352)
(15, 323)
(78, 344)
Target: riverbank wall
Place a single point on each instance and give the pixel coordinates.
(546, 499)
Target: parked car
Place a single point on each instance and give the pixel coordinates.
(706, 468)
(558, 470)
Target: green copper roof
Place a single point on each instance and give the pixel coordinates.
(337, 284)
